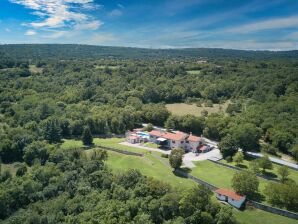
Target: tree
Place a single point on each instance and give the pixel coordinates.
(52, 130)
(294, 152)
(247, 136)
(284, 172)
(36, 150)
(149, 127)
(238, 157)
(175, 158)
(87, 136)
(265, 163)
(226, 216)
(228, 146)
(22, 169)
(245, 183)
(254, 166)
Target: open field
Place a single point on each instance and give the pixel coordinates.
(34, 69)
(149, 166)
(272, 173)
(181, 109)
(12, 168)
(257, 216)
(112, 67)
(218, 175)
(194, 72)
(108, 142)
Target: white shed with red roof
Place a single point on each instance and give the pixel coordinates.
(231, 197)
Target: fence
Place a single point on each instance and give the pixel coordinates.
(273, 210)
(197, 180)
(240, 169)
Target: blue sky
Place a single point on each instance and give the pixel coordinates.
(237, 24)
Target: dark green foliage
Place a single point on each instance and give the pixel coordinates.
(283, 195)
(228, 146)
(22, 169)
(245, 183)
(87, 137)
(52, 130)
(82, 189)
(175, 158)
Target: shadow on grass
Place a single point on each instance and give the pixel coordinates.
(269, 174)
(258, 197)
(186, 169)
(241, 166)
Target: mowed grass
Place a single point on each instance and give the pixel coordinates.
(194, 72)
(257, 216)
(148, 166)
(218, 175)
(181, 109)
(107, 142)
(273, 173)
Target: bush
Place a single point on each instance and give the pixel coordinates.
(165, 155)
(229, 159)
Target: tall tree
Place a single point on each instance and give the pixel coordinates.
(87, 137)
(175, 158)
(245, 183)
(228, 146)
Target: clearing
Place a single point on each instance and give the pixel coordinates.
(181, 109)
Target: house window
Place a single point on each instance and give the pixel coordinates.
(187, 141)
(173, 141)
(182, 141)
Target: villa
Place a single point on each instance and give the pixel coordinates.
(177, 139)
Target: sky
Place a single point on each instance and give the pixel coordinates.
(234, 24)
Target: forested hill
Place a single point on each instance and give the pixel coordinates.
(73, 51)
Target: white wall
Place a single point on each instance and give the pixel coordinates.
(235, 203)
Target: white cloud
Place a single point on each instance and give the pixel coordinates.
(60, 13)
(278, 23)
(7, 30)
(93, 25)
(30, 33)
(56, 34)
(115, 12)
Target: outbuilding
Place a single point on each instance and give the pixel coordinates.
(230, 197)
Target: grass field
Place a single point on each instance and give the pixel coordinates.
(273, 173)
(218, 175)
(112, 67)
(34, 69)
(194, 72)
(181, 109)
(108, 142)
(149, 166)
(257, 216)
(12, 168)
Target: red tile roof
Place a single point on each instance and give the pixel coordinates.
(230, 194)
(193, 138)
(203, 148)
(133, 137)
(156, 133)
(178, 136)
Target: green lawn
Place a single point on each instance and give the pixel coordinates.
(257, 216)
(194, 72)
(149, 166)
(273, 173)
(218, 175)
(108, 142)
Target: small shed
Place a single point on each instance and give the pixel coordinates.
(230, 197)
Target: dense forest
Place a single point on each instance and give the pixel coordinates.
(52, 92)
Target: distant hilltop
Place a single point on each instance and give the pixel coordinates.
(77, 51)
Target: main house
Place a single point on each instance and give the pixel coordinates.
(178, 139)
(230, 197)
